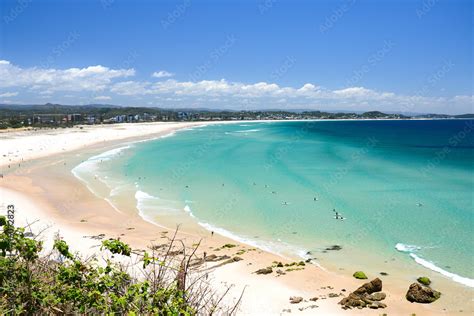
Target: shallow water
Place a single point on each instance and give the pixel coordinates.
(403, 187)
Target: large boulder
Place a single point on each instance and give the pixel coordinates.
(373, 286)
(422, 294)
(368, 295)
(267, 270)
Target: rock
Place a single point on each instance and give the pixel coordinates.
(424, 280)
(421, 294)
(377, 296)
(280, 272)
(373, 286)
(267, 270)
(332, 295)
(383, 273)
(296, 299)
(308, 307)
(335, 247)
(314, 299)
(359, 275)
(376, 305)
(214, 258)
(234, 259)
(363, 297)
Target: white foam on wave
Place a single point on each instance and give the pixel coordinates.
(230, 235)
(265, 245)
(410, 249)
(456, 278)
(406, 248)
(110, 153)
(142, 196)
(90, 164)
(188, 210)
(249, 130)
(143, 199)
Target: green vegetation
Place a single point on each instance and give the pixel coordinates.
(359, 275)
(60, 282)
(424, 280)
(229, 246)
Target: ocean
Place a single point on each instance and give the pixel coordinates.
(403, 190)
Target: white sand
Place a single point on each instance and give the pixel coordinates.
(18, 146)
(34, 218)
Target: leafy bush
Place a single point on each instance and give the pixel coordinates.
(359, 275)
(424, 280)
(63, 283)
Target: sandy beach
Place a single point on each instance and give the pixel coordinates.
(37, 179)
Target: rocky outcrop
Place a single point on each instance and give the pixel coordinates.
(370, 287)
(368, 295)
(422, 294)
(296, 299)
(267, 270)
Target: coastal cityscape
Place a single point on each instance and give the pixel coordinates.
(54, 115)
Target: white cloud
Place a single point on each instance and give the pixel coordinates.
(265, 93)
(465, 98)
(226, 94)
(92, 78)
(354, 92)
(102, 98)
(162, 74)
(8, 94)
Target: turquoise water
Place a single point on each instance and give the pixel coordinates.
(403, 187)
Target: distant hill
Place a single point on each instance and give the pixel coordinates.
(465, 116)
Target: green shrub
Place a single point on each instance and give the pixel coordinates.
(424, 280)
(32, 283)
(359, 275)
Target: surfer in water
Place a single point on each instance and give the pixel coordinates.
(337, 215)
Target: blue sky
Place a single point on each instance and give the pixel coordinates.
(409, 56)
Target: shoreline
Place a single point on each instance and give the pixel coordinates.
(30, 178)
